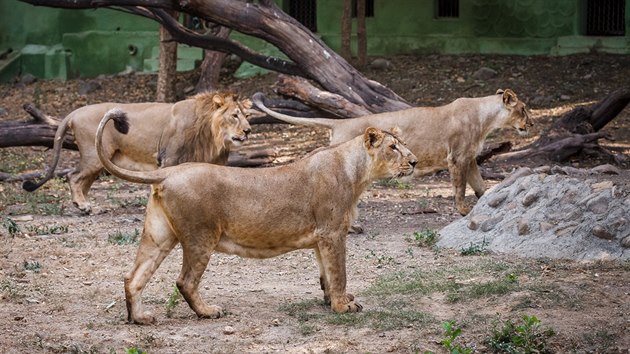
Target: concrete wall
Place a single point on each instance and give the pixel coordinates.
(57, 43)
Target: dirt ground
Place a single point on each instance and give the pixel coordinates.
(61, 274)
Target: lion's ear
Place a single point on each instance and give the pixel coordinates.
(247, 103)
(373, 137)
(218, 100)
(509, 98)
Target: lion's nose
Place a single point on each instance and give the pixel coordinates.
(413, 163)
(247, 131)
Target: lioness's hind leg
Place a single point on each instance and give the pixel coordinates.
(157, 242)
(195, 261)
(331, 257)
(475, 180)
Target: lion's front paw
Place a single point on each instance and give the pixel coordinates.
(464, 209)
(210, 312)
(346, 304)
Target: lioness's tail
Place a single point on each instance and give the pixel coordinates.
(57, 145)
(121, 124)
(321, 122)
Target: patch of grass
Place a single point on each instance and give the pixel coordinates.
(47, 230)
(8, 288)
(42, 201)
(32, 266)
(172, 301)
(475, 249)
(395, 183)
(526, 337)
(424, 238)
(124, 238)
(134, 350)
(12, 227)
(499, 279)
(381, 259)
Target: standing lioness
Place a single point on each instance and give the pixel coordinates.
(449, 136)
(257, 213)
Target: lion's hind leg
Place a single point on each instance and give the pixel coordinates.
(331, 258)
(196, 257)
(156, 243)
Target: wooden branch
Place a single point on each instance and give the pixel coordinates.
(559, 150)
(304, 91)
(7, 177)
(607, 109)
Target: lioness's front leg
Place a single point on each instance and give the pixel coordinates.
(331, 258)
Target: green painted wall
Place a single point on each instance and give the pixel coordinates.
(484, 26)
(57, 43)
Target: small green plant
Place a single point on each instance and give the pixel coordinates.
(124, 238)
(47, 230)
(172, 302)
(12, 227)
(395, 183)
(452, 331)
(381, 259)
(134, 350)
(513, 338)
(32, 266)
(425, 238)
(475, 248)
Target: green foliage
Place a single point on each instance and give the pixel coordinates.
(172, 302)
(32, 266)
(425, 238)
(47, 230)
(12, 227)
(452, 331)
(134, 350)
(395, 183)
(124, 238)
(525, 338)
(475, 249)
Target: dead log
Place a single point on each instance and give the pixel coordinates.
(39, 131)
(576, 132)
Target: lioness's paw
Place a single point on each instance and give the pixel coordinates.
(464, 209)
(211, 312)
(146, 318)
(346, 304)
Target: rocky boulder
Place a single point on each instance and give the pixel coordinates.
(550, 212)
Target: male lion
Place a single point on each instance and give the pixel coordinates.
(200, 129)
(450, 136)
(257, 213)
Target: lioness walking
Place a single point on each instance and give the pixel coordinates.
(257, 213)
(446, 137)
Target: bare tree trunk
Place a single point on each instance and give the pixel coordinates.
(361, 35)
(212, 63)
(346, 30)
(168, 67)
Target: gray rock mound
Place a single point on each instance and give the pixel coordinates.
(549, 212)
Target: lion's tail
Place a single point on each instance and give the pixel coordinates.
(121, 123)
(257, 99)
(57, 145)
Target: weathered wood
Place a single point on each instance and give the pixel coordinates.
(212, 63)
(39, 131)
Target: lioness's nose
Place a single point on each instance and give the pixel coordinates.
(413, 162)
(247, 131)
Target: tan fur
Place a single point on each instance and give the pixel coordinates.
(447, 137)
(200, 129)
(258, 213)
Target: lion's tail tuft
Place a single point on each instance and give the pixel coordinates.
(121, 122)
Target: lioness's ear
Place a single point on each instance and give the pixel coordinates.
(396, 130)
(509, 98)
(373, 137)
(499, 91)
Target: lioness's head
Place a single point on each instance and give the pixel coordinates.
(228, 115)
(390, 156)
(518, 114)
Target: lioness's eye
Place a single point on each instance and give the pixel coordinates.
(393, 147)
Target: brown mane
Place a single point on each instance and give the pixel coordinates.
(205, 136)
